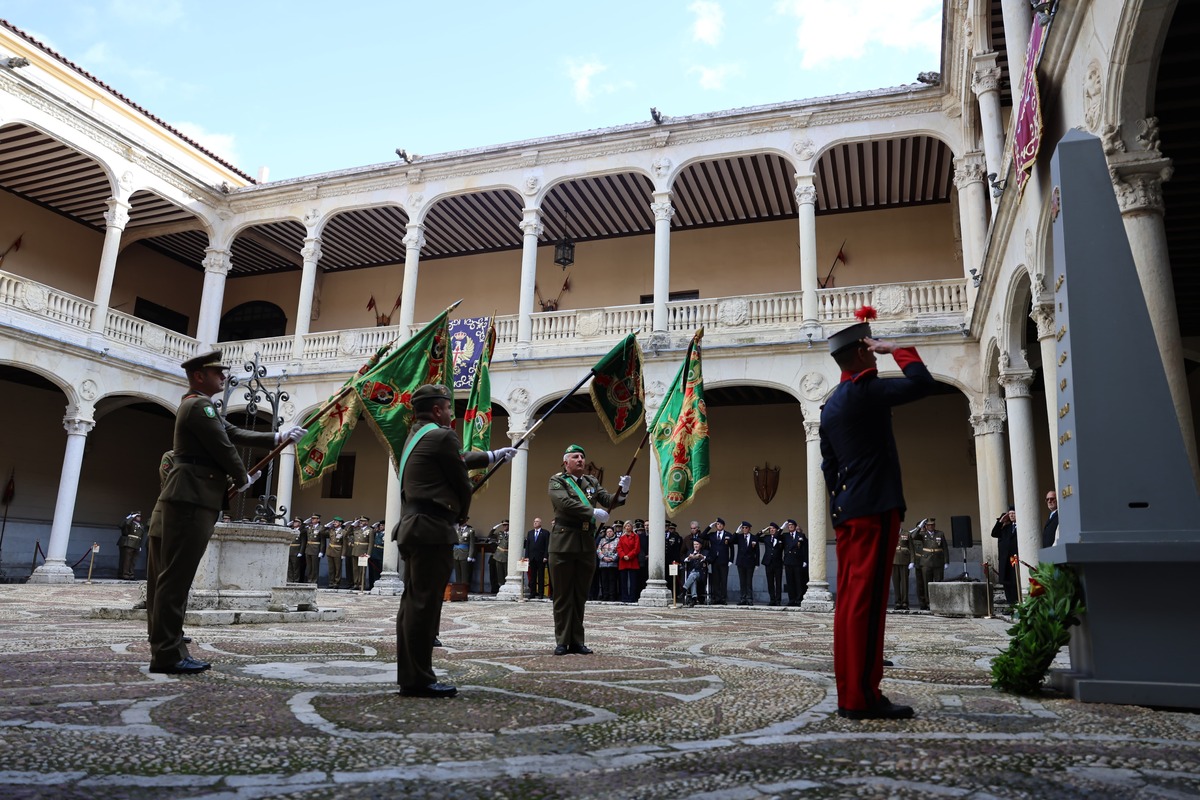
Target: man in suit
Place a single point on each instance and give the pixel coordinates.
(795, 562)
(436, 494)
(537, 548)
(204, 462)
(580, 505)
(1050, 530)
(772, 561)
(862, 473)
(673, 552)
(746, 559)
(720, 553)
(1005, 531)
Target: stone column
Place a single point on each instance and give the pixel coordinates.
(414, 240)
(972, 208)
(656, 593)
(1138, 180)
(283, 489)
(531, 229)
(1026, 491)
(389, 582)
(513, 588)
(817, 597)
(1043, 316)
(55, 570)
(1018, 22)
(115, 220)
(986, 85)
(806, 204)
(990, 472)
(663, 211)
(216, 268)
(311, 252)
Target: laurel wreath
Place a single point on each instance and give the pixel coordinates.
(1043, 622)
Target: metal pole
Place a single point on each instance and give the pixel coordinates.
(92, 560)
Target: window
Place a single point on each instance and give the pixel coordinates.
(160, 315)
(257, 319)
(340, 482)
(690, 294)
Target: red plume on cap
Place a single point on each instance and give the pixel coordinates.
(865, 314)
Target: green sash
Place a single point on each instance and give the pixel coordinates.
(578, 491)
(408, 448)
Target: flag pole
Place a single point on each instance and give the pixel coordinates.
(7, 502)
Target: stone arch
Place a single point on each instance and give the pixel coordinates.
(1141, 31)
(1018, 302)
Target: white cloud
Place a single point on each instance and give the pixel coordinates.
(581, 74)
(223, 144)
(713, 78)
(710, 19)
(836, 30)
(154, 12)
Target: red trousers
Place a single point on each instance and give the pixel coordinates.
(864, 554)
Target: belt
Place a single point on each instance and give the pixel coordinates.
(199, 461)
(429, 509)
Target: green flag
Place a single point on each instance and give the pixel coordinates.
(386, 391)
(477, 419)
(617, 391)
(680, 432)
(317, 453)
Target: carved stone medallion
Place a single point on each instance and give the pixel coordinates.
(890, 299)
(733, 312)
(154, 338)
(812, 386)
(88, 390)
(518, 399)
(588, 323)
(348, 342)
(34, 297)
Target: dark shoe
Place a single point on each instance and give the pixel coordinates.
(924, 608)
(432, 690)
(581, 650)
(186, 640)
(187, 666)
(561, 650)
(887, 662)
(437, 642)
(884, 709)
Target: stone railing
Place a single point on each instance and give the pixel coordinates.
(947, 297)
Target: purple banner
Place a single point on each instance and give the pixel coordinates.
(466, 342)
(1027, 139)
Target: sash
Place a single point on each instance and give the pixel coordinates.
(408, 448)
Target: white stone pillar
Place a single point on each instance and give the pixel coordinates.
(656, 593)
(208, 323)
(972, 208)
(1043, 316)
(810, 281)
(663, 212)
(1026, 492)
(115, 220)
(990, 475)
(285, 482)
(1018, 22)
(311, 252)
(1138, 184)
(414, 240)
(390, 582)
(986, 85)
(55, 570)
(817, 597)
(531, 229)
(518, 487)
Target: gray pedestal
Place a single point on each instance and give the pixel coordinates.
(958, 599)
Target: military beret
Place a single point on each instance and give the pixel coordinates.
(574, 448)
(774, 525)
(211, 359)
(338, 519)
(745, 524)
(720, 520)
(428, 394)
(790, 522)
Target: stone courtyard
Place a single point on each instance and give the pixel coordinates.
(707, 702)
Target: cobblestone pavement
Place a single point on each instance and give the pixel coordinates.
(710, 702)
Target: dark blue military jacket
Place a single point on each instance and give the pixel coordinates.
(861, 466)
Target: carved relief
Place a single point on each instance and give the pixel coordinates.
(1043, 317)
(518, 399)
(415, 201)
(1092, 89)
(804, 148)
(311, 250)
(812, 386)
(655, 390)
(890, 299)
(806, 194)
(662, 210)
(984, 424)
(348, 342)
(154, 338)
(531, 185)
(288, 410)
(1111, 139)
(733, 312)
(117, 215)
(662, 166)
(311, 219)
(34, 297)
(88, 390)
(126, 181)
(1141, 191)
(967, 170)
(1147, 135)
(589, 323)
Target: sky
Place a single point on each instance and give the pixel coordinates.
(304, 87)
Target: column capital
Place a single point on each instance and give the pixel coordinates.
(1138, 181)
(988, 423)
(1016, 382)
(312, 249)
(969, 169)
(117, 215)
(985, 79)
(532, 225)
(1043, 316)
(415, 238)
(662, 208)
(78, 426)
(805, 193)
(812, 430)
(216, 261)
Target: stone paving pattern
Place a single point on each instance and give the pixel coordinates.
(730, 703)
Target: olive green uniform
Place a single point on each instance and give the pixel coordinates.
(360, 545)
(573, 550)
(333, 554)
(130, 542)
(436, 494)
(205, 460)
(932, 554)
(295, 563)
(900, 561)
(312, 550)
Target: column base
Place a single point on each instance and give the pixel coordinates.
(817, 598)
(655, 594)
(513, 588)
(53, 572)
(388, 585)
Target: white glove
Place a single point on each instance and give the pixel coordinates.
(600, 514)
(624, 482)
(292, 434)
(250, 479)
(471, 560)
(320, 555)
(501, 455)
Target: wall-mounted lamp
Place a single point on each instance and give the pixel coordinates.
(809, 335)
(975, 277)
(514, 357)
(966, 331)
(997, 185)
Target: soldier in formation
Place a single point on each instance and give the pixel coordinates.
(133, 533)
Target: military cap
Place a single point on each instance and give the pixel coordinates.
(428, 394)
(338, 519)
(574, 448)
(848, 337)
(745, 524)
(720, 520)
(211, 359)
(774, 525)
(790, 522)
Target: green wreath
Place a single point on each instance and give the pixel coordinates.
(1043, 622)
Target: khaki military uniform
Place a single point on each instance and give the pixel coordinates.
(436, 494)
(313, 533)
(900, 561)
(932, 554)
(295, 564)
(462, 552)
(205, 462)
(130, 542)
(154, 540)
(498, 564)
(333, 555)
(360, 545)
(573, 550)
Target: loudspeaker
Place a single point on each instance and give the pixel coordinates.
(960, 532)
